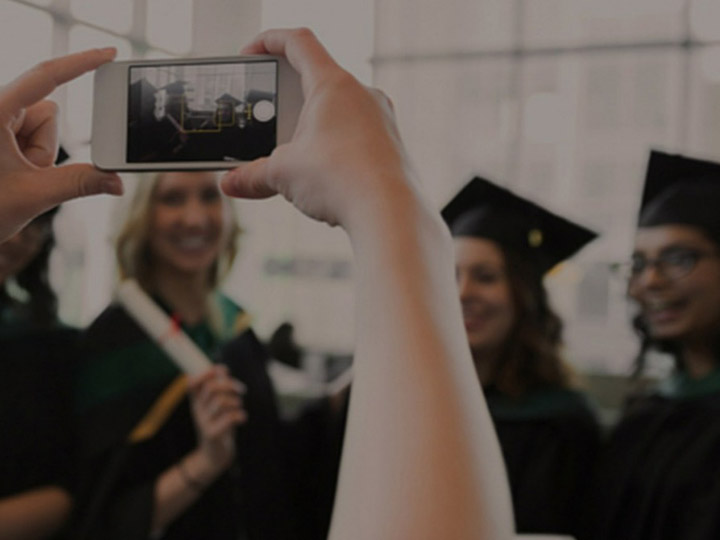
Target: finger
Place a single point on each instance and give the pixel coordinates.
(221, 406)
(302, 49)
(248, 181)
(197, 384)
(215, 386)
(41, 80)
(221, 425)
(60, 184)
(37, 136)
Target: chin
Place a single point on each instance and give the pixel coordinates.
(668, 333)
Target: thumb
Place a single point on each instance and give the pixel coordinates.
(60, 184)
(249, 180)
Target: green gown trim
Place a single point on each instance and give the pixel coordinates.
(681, 386)
(541, 403)
(119, 371)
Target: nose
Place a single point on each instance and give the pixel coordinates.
(194, 213)
(464, 285)
(649, 278)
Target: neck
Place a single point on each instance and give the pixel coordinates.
(698, 359)
(485, 361)
(186, 294)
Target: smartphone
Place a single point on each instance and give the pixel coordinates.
(190, 114)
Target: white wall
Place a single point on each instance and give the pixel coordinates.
(319, 305)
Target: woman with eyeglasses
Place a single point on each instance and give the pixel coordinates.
(658, 475)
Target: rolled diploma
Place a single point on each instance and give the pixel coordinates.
(162, 329)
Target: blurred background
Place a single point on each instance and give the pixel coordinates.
(560, 100)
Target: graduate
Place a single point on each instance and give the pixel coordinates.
(657, 477)
(504, 245)
(37, 361)
(420, 459)
(161, 458)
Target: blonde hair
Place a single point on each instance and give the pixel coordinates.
(132, 246)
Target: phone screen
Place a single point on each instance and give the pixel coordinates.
(202, 112)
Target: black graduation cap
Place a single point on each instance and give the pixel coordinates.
(62, 156)
(683, 191)
(486, 210)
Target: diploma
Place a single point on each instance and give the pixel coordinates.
(165, 331)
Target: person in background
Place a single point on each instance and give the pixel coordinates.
(191, 475)
(656, 477)
(548, 433)
(30, 185)
(423, 461)
(37, 362)
(504, 246)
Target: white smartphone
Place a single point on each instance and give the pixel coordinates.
(189, 114)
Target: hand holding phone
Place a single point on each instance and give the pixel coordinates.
(28, 144)
(346, 160)
(209, 113)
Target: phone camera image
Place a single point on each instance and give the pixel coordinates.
(202, 112)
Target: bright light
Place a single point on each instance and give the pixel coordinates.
(80, 92)
(704, 17)
(542, 120)
(169, 24)
(710, 64)
(115, 15)
(17, 22)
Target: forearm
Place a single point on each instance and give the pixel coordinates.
(34, 514)
(179, 487)
(421, 458)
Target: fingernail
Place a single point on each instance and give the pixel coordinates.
(106, 50)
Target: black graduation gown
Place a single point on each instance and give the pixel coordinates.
(549, 441)
(116, 495)
(658, 476)
(35, 408)
(313, 447)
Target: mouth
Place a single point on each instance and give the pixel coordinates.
(663, 311)
(475, 320)
(194, 242)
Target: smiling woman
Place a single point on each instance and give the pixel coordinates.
(656, 478)
(504, 245)
(161, 456)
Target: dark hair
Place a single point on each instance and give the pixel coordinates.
(41, 308)
(531, 356)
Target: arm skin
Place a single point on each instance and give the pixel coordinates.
(34, 514)
(217, 410)
(421, 459)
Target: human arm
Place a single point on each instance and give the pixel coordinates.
(36, 513)
(29, 184)
(421, 459)
(217, 410)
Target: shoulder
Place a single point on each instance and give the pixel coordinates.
(234, 319)
(543, 404)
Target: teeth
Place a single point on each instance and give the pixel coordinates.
(658, 305)
(192, 243)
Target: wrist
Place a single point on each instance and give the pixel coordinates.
(198, 469)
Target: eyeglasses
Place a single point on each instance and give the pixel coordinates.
(671, 265)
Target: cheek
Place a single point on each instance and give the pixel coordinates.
(500, 298)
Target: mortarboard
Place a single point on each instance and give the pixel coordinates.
(682, 191)
(486, 210)
(62, 156)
